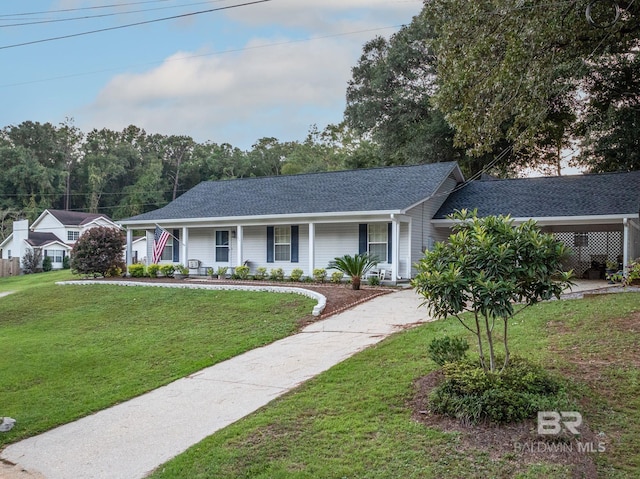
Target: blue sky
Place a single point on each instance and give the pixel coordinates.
(233, 76)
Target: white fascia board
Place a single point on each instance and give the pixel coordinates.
(347, 216)
(94, 221)
(6, 240)
(51, 243)
(557, 220)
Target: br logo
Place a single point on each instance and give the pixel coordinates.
(552, 422)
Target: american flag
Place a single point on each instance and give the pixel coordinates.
(160, 238)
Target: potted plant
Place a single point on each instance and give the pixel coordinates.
(210, 273)
(611, 268)
(222, 272)
(181, 272)
(633, 272)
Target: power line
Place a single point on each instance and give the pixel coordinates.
(146, 22)
(221, 52)
(103, 15)
(96, 7)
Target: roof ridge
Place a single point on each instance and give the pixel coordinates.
(331, 172)
(580, 175)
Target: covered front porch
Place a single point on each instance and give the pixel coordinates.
(283, 243)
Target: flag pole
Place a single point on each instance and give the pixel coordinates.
(164, 229)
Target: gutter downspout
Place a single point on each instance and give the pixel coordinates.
(129, 248)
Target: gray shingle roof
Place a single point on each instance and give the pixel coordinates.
(375, 189)
(580, 195)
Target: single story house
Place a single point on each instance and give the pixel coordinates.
(54, 232)
(305, 221)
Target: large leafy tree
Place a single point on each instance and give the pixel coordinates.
(389, 98)
(611, 122)
(503, 66)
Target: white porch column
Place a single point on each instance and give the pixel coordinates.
(395, 250)
(129, 253)
(312, 251)
(185, 242)
(407, 273)
(625, 245)
(239, 241)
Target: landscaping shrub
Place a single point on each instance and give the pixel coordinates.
(136, 270)
(473, 395)
(277, 274)
(152, 270)
(46, 263)
(356, 267)
(31, 261)
(167, 270)
(447, 350)
(296, 274)
(261, 273)
(336, 277)
(66, 262)
(113, 272)
(241, 272)
(98, 252)
(373, 281)
(319, 274)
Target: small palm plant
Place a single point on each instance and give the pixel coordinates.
(356, 266)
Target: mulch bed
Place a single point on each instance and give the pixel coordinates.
(516, 444)
(340, 297)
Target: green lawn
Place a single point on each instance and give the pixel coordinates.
(67, 351)
(354, 421)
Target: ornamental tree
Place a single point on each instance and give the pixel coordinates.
(98, 251)
(356, 266)
(492, 269)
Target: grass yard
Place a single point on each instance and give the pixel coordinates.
(68, 351)
(356, 420)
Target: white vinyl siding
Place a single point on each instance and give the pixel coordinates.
(424, 234)
(333, 240)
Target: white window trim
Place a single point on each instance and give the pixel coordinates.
(276, 244)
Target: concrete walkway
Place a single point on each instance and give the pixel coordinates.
(131, 439)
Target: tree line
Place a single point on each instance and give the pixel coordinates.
(128, 172)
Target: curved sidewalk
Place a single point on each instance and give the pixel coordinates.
(131, 439)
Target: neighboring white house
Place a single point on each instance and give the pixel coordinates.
(54, 232)
(305, 221)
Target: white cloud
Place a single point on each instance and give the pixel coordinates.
(324, 15)
(232, 98)
(274, 85)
